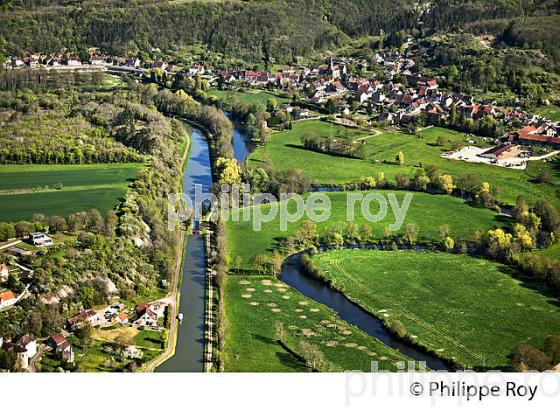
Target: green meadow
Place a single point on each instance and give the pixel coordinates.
(256, 306)
(249, 98)
(62, 189)
(285, 151)
(426, 210)
(551, 112)
(463, 308)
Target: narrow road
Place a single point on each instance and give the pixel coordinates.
(174, 296)
(40, 351)
(8, 245)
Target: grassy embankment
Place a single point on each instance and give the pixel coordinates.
(256, 305)
(426, 210)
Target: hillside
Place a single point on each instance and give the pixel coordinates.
(269, 30)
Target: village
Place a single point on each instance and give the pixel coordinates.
(27, 351)
(404, 99)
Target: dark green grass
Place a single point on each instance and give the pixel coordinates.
(552, 252)
(24, 206)
(81, 188)
(426, 210)
(464, 308)
(38, 176)
(251, 343)
(148, 338)
(285, 151)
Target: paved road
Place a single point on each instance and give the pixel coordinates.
(40, 351)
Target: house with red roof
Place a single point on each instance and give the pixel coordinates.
(7, 298)
(149, 313)
(530, 134)
(62, 347)
(24, 348)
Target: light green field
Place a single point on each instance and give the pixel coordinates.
(251, 343)
(464, 308)
(250, 98)
(285, 151)
(552, 252)
(551, 112)
(29, 189)
(426, 210)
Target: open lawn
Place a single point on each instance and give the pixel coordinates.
(552, 252)
(29, 189)
(254, 307)
(250, 97)
(468, 309)
(285, 151)
(426, 210)
(551, 112)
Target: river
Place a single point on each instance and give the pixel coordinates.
(348, 311)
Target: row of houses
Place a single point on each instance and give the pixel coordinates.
(541, 134)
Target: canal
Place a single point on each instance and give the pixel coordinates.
(189, 351)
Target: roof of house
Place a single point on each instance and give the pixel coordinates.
(7, 295)
(26, 339)
(3, 266)
(123, 316)
(83, 315)
(497, 150)
(59, 340)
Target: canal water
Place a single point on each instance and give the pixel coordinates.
(189, 351)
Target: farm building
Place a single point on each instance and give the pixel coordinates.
(502, 152)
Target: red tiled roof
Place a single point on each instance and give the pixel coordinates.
(7, 295)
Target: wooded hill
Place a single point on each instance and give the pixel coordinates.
(258, 30)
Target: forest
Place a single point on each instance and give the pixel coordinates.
(266, 31)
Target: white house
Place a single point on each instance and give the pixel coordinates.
(76, 322)
(97, 60)
(4, 273)
(149, 313)
(7, 298)
(25, 348)
(62, 347)
(40, 239)
(73, 61)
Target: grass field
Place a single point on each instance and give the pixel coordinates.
(250, 98)
(469, 309)
(254, 305)
(29, 189)
(95, 357)
(285, 151)
(552, 252)
(551, 112)
(425, 210)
